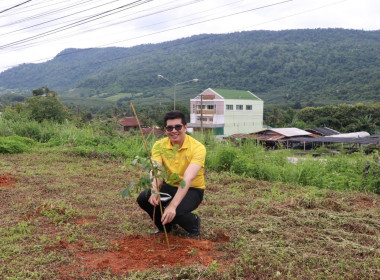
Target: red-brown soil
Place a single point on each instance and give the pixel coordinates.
(138, 252)
(7, 180)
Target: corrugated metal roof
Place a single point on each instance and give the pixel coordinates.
(236, 94)
(285, 131)
(359, 134)
(365, 141)
(323, 131)
(269, 137)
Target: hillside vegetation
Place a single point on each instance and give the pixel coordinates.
(322, 66)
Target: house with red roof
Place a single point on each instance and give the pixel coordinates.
(129, 123)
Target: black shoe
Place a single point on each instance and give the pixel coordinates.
(196, 230)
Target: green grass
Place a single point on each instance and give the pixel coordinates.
(277, 230)
(357, 171)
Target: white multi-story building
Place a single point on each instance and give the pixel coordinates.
(226, 112)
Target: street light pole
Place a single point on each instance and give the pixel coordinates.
(176, 84)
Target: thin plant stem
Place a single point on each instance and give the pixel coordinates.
(154, 176)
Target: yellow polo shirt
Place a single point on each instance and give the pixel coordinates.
(192, 151)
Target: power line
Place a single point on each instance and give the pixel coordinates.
(14, 6)
(55, 19)
(22, 45)
(39, 6)
(171, 29)
(80, 22)
(44, 13)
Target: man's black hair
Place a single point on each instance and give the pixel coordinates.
(175, 114)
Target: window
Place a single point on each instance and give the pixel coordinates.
(248, 107)
(199, 107)
(239, 107)
(193, 108)
(210, 107)
(229, 107)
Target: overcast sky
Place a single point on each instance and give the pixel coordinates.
(33, 31)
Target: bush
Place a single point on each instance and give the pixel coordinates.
(225, 158)
(242, 165)
(14, 144)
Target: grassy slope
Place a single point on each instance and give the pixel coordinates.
(277, 231)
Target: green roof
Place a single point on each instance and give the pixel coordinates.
(236, 94)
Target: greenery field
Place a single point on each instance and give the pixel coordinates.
(60, 205)
(265, 216)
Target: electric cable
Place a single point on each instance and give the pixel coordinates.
(91, 18)
(26, 9)
(54, 31)
(81, 32)
(55, 19)
(3, 11)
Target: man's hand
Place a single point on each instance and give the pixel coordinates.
(154, 199)
(168, 215)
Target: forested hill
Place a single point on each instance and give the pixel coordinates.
(319, 66)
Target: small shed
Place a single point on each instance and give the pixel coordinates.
(280, 133)
(129, 123)
(272, 136)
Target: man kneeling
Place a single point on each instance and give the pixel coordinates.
(188, 163)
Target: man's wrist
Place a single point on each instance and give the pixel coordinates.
(173, 204)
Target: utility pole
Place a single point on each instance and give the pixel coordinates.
(202, 114)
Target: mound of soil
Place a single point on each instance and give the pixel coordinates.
(138, 252)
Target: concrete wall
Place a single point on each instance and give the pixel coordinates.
(243, 121)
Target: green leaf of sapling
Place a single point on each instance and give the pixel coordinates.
(124, 193)
(182, 184)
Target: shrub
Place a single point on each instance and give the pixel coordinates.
(242, 165)
(14, 144)
(225, 157)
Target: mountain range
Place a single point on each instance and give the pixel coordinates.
(308, 66)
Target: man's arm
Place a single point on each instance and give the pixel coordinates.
(170, 211)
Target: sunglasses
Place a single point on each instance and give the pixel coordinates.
(177, 127)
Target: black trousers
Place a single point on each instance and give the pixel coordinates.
(184, 218)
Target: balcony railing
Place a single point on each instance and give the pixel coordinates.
(206, 125)
(209, 112)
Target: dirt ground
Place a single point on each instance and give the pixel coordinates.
(7, 180)
(137, 252)
(130, 253)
